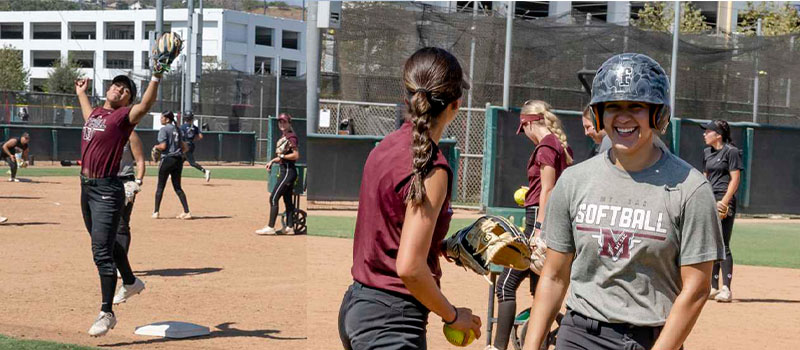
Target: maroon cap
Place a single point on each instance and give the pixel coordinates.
(286, 117)
(524, 118)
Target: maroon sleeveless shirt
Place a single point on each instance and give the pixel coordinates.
(105, 134)
(381, 212)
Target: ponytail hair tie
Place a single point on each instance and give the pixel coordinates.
(429, 96)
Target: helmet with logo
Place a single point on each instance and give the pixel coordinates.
(632, 77)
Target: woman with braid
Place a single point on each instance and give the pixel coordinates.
(549, 159)
(404, 212)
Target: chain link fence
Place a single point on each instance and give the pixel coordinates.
(370, 118)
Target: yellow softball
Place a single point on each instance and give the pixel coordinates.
(456, 337)
(519, 195)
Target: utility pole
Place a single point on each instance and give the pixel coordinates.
(312, 69)
(187, 73)
(153, 37)
(755, 81)
(507, 68)
(676, 28)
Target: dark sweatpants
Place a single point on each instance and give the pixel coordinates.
(101, 205)
(284, 188)
(725, 265)
(170, 167)
(190, 157)
(371, 318)
(12, 165)
(578, 332)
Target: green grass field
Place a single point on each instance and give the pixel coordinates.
(772, 244)
(7, 343)
(243, 173)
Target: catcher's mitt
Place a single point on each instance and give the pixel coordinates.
(723, 212)
(165, 50)
(155, 154)
(23, 164)
(490, 239)
(131, 189)
(538, 250)
(283, 146)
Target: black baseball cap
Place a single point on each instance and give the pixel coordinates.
(129, 83)
(711, 126)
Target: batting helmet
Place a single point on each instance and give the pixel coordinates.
(632, 77)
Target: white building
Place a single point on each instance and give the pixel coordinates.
(108, 43)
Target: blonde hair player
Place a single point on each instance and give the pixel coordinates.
(631, 234)
(550, 157)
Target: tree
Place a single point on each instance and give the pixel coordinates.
(61, 78)
(775, 19)
(659, 16)
(13, 75)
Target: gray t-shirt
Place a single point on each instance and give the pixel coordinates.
(631, 232)
(127, 165)
(172, 136)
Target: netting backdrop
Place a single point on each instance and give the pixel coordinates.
(714, 79)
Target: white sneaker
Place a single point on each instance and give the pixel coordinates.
(288, 231)
(155, 215)
(713, 293)
(13, 180)
(128, 290)
(208, 175)
(3, 219)
(104, 322)
(266, 231)
(184, 216)
(490, 347)
(725, 295)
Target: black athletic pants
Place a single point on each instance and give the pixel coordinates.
(726, 265)
(190, 158)
(505, 288)
(578, 332)
(171, 167)
(284, 188)
(101, 205)
(372, 319)
(12, 165)
(124, 231)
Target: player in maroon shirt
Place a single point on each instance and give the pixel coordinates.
(105, 134)
(404, 212)
(549, 159)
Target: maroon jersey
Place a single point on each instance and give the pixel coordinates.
(105, 134)
(381, 211)
(292, 138)
(550, 152)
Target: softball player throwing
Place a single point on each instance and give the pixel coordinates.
(404, 212)
(722, 166)
(288, 153)
(10, 148)
(549, 159)
(633, 232)
(172, 148)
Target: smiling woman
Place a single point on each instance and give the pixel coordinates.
(636, 208)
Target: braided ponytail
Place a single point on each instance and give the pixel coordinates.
(433, 79)
(551, 121)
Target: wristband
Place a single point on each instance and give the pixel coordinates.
(138, 181)
(155, 79)
(537, 225)
(454, 319)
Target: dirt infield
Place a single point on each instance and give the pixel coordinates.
(764, 314)
(248, 289)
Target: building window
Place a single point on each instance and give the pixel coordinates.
(288, 68)
(264, 36)
(82, 30)
(45, 59)
(119, 59)
(46, 30)
(10, 30)
(84, 59)
(267, 65)
(151, 26)
(291, 40)
(145, 60)
(37, 85)
(119, 31)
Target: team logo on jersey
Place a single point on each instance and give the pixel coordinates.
(93, 125)
(616, 244)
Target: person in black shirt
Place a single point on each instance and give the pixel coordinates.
(722, 165)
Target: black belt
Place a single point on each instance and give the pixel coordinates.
(614, 330)
(99, 181)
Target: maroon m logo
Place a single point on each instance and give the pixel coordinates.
(616, 244)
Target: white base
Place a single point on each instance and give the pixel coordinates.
(172, 329)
